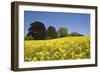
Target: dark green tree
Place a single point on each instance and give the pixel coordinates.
(38, 31)
(63, 32)
(51, 32)
(76, 34)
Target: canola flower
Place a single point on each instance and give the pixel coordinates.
(57, 49)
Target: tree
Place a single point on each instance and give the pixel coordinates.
(63, 32)
(75, 34)
(38, 31)
(28, 37)
(51, 32)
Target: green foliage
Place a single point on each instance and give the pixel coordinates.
(28, 37)
(66, 48)
(37, 30)
(63, 32)
(51, 32)
(75, 34)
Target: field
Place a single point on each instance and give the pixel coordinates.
(66, 48)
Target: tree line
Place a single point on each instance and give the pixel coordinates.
(38, 31)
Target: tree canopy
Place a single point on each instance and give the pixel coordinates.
(75, 34)
(63, 32)
(38, 31)
(51, 32)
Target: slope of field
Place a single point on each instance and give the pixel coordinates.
(57, 49)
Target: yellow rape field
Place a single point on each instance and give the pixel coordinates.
(66, 48)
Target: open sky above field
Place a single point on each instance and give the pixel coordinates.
(74, 22)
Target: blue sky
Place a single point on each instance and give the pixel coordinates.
(74, 22)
